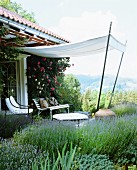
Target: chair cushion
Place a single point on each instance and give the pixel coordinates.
(53, 102)
(41, 102)
(45, 104)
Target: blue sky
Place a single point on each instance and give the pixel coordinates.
(77, 20)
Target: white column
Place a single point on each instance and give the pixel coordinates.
(22, 91)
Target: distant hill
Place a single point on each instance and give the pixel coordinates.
(93, 82)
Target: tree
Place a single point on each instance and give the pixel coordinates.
(89, 100)
(70, 91)
(17, 8)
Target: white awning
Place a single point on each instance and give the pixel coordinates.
(88, 47)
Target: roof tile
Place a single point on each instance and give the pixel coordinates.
(14, 16)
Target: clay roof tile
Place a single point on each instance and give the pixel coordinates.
(14, 16)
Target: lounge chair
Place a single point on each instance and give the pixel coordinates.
(51, 108)
(17, 108)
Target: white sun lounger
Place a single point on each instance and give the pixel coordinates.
(16, 108)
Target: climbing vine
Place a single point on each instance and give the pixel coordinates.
(8, 50)
(44, 75)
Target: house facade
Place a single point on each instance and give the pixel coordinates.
(14, 72)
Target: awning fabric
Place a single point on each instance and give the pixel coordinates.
(87, 47)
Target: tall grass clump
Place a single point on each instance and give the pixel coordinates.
(125, 109)
(49, 136)
(64, 161)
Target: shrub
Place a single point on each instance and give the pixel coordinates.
(12, 123)
(127, 156)
(115, 137)
(45, 75)
(14, 156)
(93, 161)
(50, 136)
(110, 137)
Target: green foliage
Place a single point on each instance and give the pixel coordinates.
(128, 156)
(116, 138)
(70, 91)
(90, 99)
(49, 136)
(11, 123)
(15, 7)
(44, 75)
(111, 137)
(64, 161)
(124, 97)
(14, 156)
(1, 80)
(93, 161)
(71, 161)
(7, 47)
(125, 109)
(8, 50)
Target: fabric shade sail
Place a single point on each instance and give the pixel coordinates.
(84, 48)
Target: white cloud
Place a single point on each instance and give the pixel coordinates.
(62, 3)
(88, 25)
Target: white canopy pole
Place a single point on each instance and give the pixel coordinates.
(102, 78)
(112, 93)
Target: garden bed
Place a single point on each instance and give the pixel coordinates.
(99, 144)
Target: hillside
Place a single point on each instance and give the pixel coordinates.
(93, 82)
